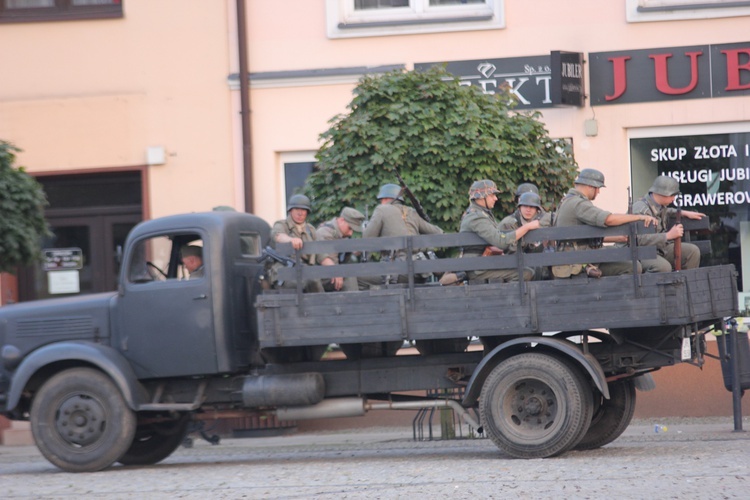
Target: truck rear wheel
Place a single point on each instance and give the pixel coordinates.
(535, 406)
(611, 416)
(80, 421)
(155, 441)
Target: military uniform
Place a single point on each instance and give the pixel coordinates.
(306, 233)
(480, 220)
(577, 210)
(329, 231)
(516, 220)
(396, 219)
(664, 262)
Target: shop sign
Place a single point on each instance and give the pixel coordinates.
(527, 78)
(567, 78)
(58, 259)
(668, 74)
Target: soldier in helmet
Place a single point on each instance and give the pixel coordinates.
(526, 187)
(656, 203)
(340, 227)
(392, 218)
(529, 208)
(479, 219)
(577, 209)
(295, 230)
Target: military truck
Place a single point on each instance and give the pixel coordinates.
(553, 366)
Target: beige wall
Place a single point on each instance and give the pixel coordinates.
(286, 43)
(97, 94)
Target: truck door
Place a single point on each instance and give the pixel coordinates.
(164, 318)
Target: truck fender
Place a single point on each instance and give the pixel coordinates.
(507, 349)
(107, 359)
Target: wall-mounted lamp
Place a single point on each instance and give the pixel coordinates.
(155, 155)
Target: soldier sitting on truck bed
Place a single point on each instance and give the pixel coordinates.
(479, 219)
(392, 218)
(656, 204)
(577, 209)
(295, 230)
(338, 228)
(529, 209)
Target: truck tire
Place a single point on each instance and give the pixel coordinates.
(80, 421)
(535, 406)
(611, 416)
(155, 441)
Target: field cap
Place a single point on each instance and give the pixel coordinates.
(353, 217)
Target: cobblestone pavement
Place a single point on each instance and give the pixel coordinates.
(691, 458)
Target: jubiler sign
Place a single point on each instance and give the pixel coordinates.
(673, 73)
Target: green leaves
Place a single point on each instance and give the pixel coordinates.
(22, 223)
(442, 136)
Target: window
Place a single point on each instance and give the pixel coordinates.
(167, 257)
(675, 10)
(356, 18)
(294, 168)
(14, 11)
(709, 163)
(250, 245)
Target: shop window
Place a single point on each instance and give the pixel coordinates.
(355, 18)
(714, 179)
(14, 11)
(675, 10)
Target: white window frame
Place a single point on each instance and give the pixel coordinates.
(639, 11)
(290, 157)
(344, 22)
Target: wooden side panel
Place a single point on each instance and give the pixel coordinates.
(694, 296)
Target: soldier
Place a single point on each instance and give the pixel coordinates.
(526, 187)
(192, 259)
(338, 228)
(577, 209)
(478, 219)
(656, 203)
(295, 230)
(529, 209)
(392, 218)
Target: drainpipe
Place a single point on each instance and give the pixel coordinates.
(247, 161)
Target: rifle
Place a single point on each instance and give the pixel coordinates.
(414, 201)
(678, 244)
(270, 253)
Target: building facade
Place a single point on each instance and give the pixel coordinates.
(133, 109)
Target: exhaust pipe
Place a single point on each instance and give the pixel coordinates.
(357, 407)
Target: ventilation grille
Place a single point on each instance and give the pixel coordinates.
(67, 327)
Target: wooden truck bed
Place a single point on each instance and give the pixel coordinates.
(414, 312)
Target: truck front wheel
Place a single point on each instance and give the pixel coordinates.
(80, 421)
(535, 406)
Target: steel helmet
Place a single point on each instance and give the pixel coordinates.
(482, 189)
(526, 187)
(590, 177)
(299, 201)
(530, 199)
(665, 186)
(390, 191)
